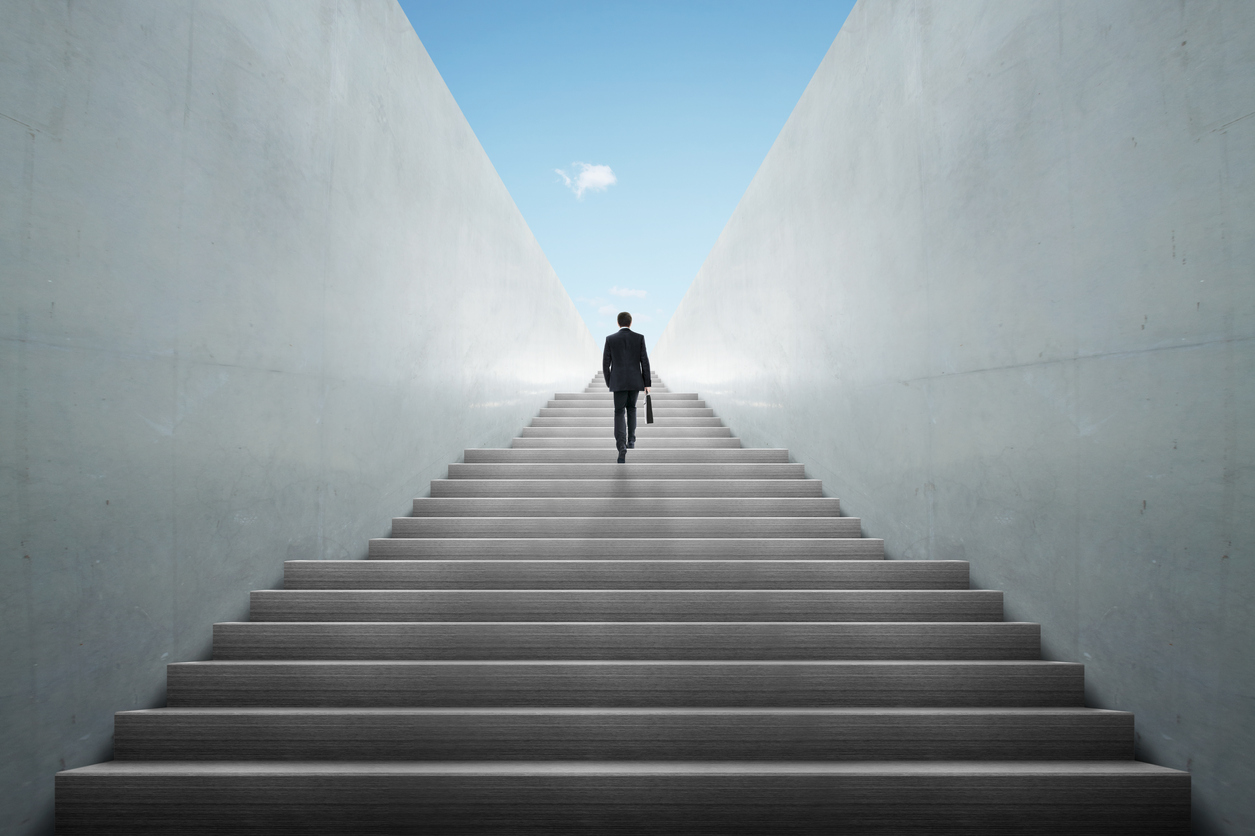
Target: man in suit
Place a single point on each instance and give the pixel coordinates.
(626, 368)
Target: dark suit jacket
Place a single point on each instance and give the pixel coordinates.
(624, 362)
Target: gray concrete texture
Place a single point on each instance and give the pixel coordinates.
(260, 285)
(994, 285)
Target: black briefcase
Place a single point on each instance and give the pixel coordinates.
(649, 409)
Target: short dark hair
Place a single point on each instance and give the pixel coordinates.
(625, 319)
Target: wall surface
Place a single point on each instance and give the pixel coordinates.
(995, 285)
(259, 285)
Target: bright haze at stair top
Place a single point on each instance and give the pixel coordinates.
(627, 132)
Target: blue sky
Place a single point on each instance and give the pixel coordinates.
(677, 102)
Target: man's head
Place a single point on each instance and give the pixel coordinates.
(625, 319)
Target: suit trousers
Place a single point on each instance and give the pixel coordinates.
(625, 430)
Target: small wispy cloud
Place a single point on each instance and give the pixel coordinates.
(587, 178)
(607, 310)
(623, 291)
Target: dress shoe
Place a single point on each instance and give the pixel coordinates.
(622, 456)
(631, 445)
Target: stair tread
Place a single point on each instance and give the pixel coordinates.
(627, 605)
(621, 683)
(643, 442)
(651, 527)
(921, 768)
(627, 573)
(647, 488)
(640, 455)
(649, 711)
(614, 640)
(629, 470)
(642, 431)
(833, 548)
(637, 663)
(610, 507)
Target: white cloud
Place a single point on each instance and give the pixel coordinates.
(607, 310)
(623, 291)
(591, 178)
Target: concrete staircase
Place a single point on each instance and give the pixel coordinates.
(694, 642)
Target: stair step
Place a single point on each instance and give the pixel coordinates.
(631, 470)
(653, 373)
(643, 431)
(625, 574)
(606, 402)
(606, 442)
(660, 412)
(627, 527)
(686, 798)
(625, 640)
(643, 455)
(609, 398)
(608, 421)
(644, 488)
(604, 605)
(628, 734)
(630, 507)
(623, 684)
(655, 381)
(636, 548)
(600, 389)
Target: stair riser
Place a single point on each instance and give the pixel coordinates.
(863, 548)
(607, 402)
(631, 470)
(821, 507)
(627, 527)
(601, 389)
(655, 380)
(620, 684)
(660, 412)
(634, 736)
(667, 641)
(625, 605)
(659, 423)
(609, 399)
(607, 442)
(643, 431)
(625, 574)
(606, 803)
(644, 488)
(643, 455)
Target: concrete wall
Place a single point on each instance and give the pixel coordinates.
(259, 285)
(995, 285)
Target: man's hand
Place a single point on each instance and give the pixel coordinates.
(646, 390)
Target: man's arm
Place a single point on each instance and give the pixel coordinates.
(645, 364)
(605, 363)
